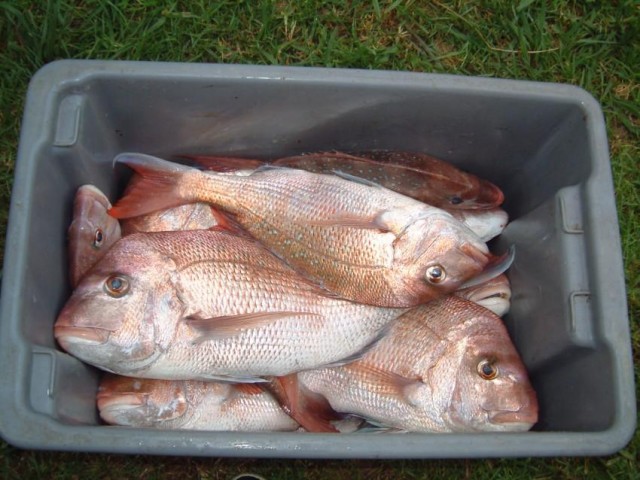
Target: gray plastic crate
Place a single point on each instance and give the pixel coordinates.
(544, 144)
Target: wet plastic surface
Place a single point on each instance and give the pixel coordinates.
(545, 145)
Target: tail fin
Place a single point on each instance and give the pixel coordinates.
(154, 189)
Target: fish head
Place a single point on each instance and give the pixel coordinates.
(141, 402)
(438, 254)
(92, 231)
(491, 390)
(123, 313)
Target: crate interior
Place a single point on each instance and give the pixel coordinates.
(535, 149)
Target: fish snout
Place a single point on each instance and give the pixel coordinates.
(70, 329)
(119, 401)
(518, 409)
(525, 416)
(489, 195)
(69, 335)
(476, 252)
(470, 259)
(122, 409)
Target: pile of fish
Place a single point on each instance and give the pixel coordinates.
(320, 292)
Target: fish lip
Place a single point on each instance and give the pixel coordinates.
(493, 267)
(66, 335)
(118, 402)
(524, 416)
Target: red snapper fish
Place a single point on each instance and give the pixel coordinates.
(191, 405)
(195, 405)
(208, 305)
(341, 234)
(416, 175)
(448, 366)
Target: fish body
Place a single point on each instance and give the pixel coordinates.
(92, 231)
(192, 216)
(196, 405)
(208, 305)
(341, 234)
(448, 366)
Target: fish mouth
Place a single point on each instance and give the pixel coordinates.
(525, 417)
(67, 335)
(493, 267)
(115, 403)
(121, 409)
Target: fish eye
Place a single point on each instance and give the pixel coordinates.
(456, 200)
(98, 238)
(435, 274)
(116, 285)
(487, 369)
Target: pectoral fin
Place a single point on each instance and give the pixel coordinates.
(356, 179)
(219, 328)
(360, 353)
(387, 383)
(346, 219)
(230, 379)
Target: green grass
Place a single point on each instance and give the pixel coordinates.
(593, 44)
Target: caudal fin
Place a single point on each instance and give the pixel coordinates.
(154, 189)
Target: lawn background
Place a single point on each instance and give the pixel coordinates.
(593, 44)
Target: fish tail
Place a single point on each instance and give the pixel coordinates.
(156, 188)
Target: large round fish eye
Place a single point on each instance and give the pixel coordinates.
(487, 369)
(98, 238)
(116, 285)
(435, 274)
